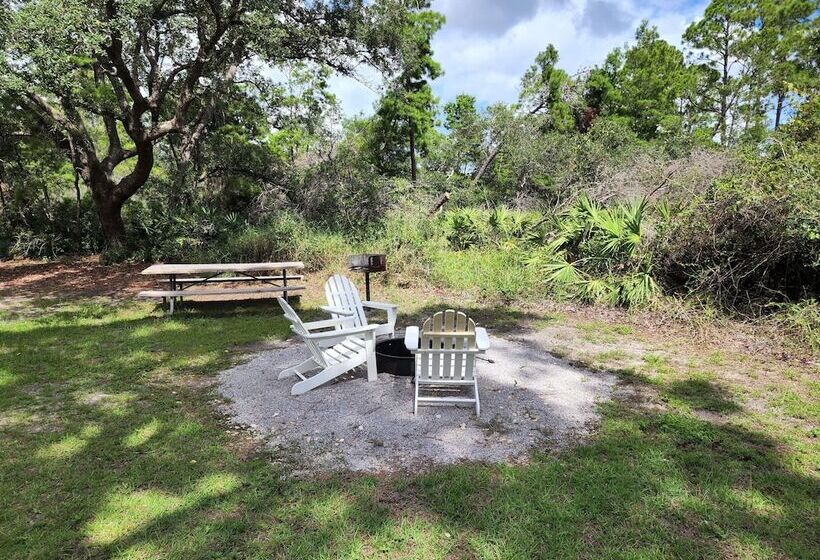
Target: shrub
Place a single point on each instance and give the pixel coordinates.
(466, 227)
(753, 236)
(801, 320)
(49, 231)
(286, 237)
(597, 254)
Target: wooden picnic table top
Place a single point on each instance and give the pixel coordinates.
(169, 269)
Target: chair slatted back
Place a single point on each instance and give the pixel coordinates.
(342, 293)
(298, 327)
(448, 347)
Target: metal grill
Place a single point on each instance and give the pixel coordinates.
(367, 263)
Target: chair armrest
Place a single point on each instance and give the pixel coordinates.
(343, 333)
(379, 305)
(482, 339)
(337, 310)
(327, 323)
(411, 338)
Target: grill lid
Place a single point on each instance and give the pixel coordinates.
(367, 262)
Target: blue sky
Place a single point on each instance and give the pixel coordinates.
(486, 45)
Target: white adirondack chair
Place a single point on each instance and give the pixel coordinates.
(335, 351)
(343, 301)
(445, 358)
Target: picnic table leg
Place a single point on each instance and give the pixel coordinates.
(172, 299)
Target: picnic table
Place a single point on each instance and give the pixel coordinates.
(180, 277)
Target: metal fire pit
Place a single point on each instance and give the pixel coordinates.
(367, 263)
(393, 357)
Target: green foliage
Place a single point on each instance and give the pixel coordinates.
(782, 52)
(597, 253)
(471, 227)
(466, 228)
(754, 236)
(61, 228)
(460, 150)
(801, 320)
(113, 82)
(286, 238)
(601, 92)
(651, 80)
(723, 42)
(541, 90)
(264, 170)
(498, 274)
(403, 123)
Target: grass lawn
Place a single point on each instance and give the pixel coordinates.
(112, 448)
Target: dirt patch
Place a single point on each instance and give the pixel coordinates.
(529, 399)
(84, 276)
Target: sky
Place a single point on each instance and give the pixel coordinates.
(487, 45)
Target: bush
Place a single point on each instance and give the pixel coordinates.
(471, 227)
(598, 254)
(801, 320)
(286, 237)
(39, 231)
(754, 236)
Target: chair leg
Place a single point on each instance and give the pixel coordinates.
(477, 402)
(304, 367)
(370, 350)
(416, 398)
(391, 320)
(324, 376)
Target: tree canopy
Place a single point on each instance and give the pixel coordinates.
(145, 70)
(225, 106)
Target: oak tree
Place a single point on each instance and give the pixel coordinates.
(143, 70)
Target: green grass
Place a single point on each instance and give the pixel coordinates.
(797, 406)
(614, 355)
(598, 332)
(112, 449)
(499, 273)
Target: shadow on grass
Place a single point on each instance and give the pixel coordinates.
(227, 307)
(702, 394)
(133, 466)
(648, 485)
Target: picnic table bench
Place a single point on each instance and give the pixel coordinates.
(181, 277)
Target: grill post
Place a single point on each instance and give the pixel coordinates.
(367, 263)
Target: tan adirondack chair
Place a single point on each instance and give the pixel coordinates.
(343, 301)
(445, 352)
(334, 351)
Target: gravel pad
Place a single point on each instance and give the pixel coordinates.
(528, 398)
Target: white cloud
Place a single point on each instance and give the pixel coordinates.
(484, 51)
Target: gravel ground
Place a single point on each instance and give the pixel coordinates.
(528, 398)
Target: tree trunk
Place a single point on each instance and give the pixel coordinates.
(724, 93)
(487, 161)
(79, 197)
(109, 210)
(47, 201)
(2, 188)
(440, 201)
(779, 111)
(110, 214)
(412, 153)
